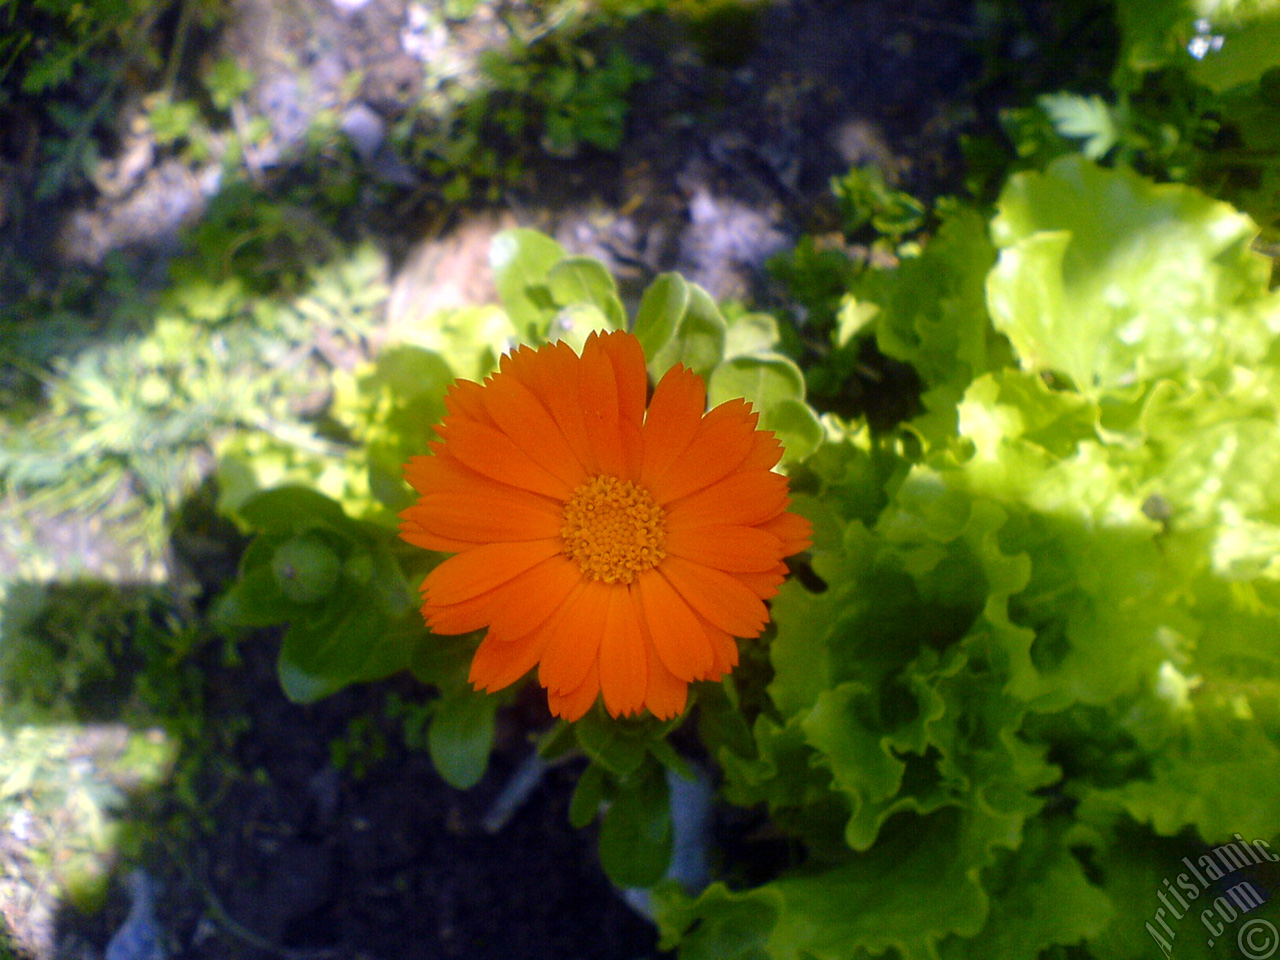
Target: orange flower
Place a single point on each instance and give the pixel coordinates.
(619, 550)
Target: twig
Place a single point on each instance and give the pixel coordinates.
(175, 50)
(516, 791)
(238, 930)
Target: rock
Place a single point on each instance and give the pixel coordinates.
(727, 243)
(140, 936)
(367, 132)
(445, 272)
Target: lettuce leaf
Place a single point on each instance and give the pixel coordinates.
(1110, 280)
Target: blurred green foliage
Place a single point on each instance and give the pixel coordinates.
(143, 416)
(558, 84)
(64, 62)
(102, 698)
(1192, 96)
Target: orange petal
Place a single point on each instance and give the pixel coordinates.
(551, 374)
(415, 473)
(666, 694)
(675, 414)
(578, 701)
(795, 532)
(463, 401)
(482, 568)
(673, 629)
(530, 600)
(444, 473)
(512, 609)
(599, 389)
(766, 451)
(764, 584)
(500, 662)
(667, 697)
(722, 443)
(725, 648)
(730, 548)
(624, 673)
(721, 598)
(742, 499)
(430, 474)
(518, 413)
(627, 356)
(460, 617)
(490, 452)
(575, 637)
(632, 450)
(483, 518)
(412, 532)
(518, 358)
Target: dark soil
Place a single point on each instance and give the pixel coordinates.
(391, 864)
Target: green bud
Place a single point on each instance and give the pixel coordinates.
(306, 568)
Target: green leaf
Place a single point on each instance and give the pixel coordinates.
(226, 81)
(932, 308)
(443, 661)
(762, 380)
(908, 894)
(173, 120)
(661, 309)
(797, 427)
(348, 641)
(255, 600)
(405, 371)
(750, 334)
(1112, 280)
(588, 794)
(636, 835)
(387, 588)
(899, 213)
(521, 261)
(862, 762)
(775, 387)
(919, 878)
(721, 725)
(1041, 898)
(784, 772)
(1237, 54)
(852, 471)
(300, 686)
(662, 751)
(292, 509)
(1223, 44)
(1151, 32)
(730, 925)
(617, 746)
(853, 317)
(578, 280)
(1082, 118)
(469, 339)
(573, 324)
(306, 568)
(1131, 866)
(699, 339)
(1219, 776)
(799, 651)
(461, 736)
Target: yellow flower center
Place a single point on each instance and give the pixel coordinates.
(614, 530)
